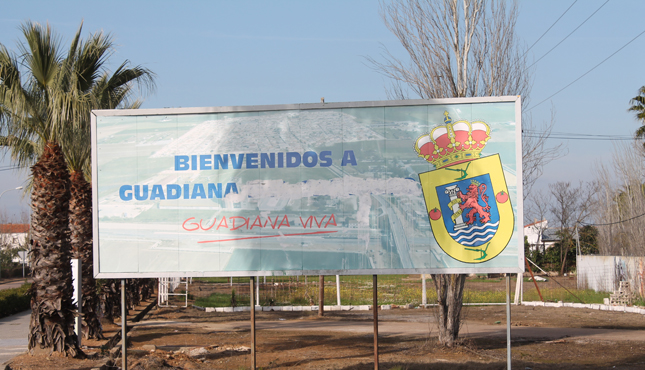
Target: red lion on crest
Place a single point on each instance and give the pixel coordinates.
(471, 200)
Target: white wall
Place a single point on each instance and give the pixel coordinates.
(603, 273)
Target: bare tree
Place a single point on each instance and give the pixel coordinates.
(535, 152)
(537, 209)
(621, 202)
(458, 49)
(454, 50)
(571, 206)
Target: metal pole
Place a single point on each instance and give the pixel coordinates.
(124, 315)
(508, 321)
(533, 277)
(518, 290)
(321, 295)
(578, 251)
(338, 290)
(257, 292)
(375, 309)
(252, 324)
(424, 294)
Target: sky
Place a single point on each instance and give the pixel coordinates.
(225, 53)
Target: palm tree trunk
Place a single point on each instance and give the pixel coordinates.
(110, 299)
(52, 311)
(80, 224)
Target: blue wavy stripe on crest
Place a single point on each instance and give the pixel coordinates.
(473, 229)
(475, 234)
(476, 241)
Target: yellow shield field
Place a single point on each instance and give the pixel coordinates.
(469, 209)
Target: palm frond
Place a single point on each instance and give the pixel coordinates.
(24, 152)
(40, 53)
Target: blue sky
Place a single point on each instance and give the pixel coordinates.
(217, 53)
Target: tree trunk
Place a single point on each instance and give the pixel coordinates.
(110, 299)
(450, 294)
(52, 312)
(80, 224)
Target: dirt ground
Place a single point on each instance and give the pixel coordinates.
(187, 338)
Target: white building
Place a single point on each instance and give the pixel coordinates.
(14, 236)
(539, 235)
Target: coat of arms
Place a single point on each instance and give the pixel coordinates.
(466, 196)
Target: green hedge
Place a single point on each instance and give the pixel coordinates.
(14, 300)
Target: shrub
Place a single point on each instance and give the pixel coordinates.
(14, 300)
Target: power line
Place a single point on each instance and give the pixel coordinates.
(575, 136)
(529, 131)
(549, 29)
(567, 36)
(586, 73)
(579, 138)
(614, 223)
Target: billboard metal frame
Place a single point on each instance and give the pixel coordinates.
(306, 106)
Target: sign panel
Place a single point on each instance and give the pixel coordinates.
(419, 186)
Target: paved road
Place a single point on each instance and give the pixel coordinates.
(13, 336)
(12, 283)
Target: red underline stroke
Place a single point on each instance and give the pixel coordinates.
(266, 236)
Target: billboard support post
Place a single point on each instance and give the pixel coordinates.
(375, 309)
(257, 292)
(252, 282)
(321, 295)
(124, 354)
(338, 290)
(424, 294)
(508, 321)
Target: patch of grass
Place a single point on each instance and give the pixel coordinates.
(392, 289)
(560, 294)
(14, 300)
(221, 300)
(488, 296)
(222, 280)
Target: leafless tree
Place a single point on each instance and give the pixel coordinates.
(537, 209)
(536, 151)
(571, 206)
(461, 51)
(454, 50)
(621, 202)
(458, 48)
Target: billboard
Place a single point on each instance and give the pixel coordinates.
(415, 186)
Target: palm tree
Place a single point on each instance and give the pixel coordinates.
(33, 110)
(107, 92)
(638, 106)
(45, 100)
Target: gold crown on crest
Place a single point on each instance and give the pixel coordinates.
(453, 143)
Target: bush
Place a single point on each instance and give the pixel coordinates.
(14, 300)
